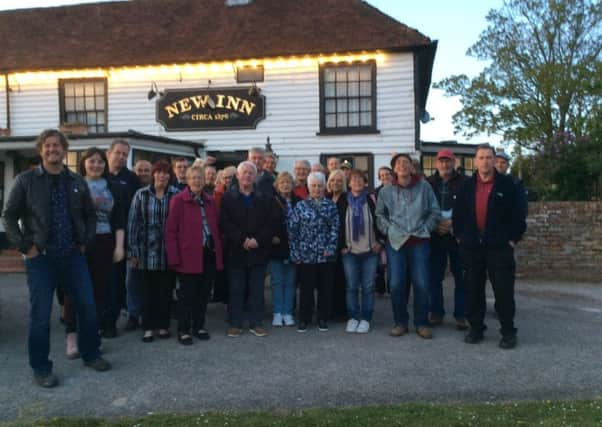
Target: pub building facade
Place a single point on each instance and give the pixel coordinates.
(313, 78)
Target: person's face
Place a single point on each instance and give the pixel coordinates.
(118, 156)
(316, 189)
(195, 181)
(336, 183)
(227, 179)
(357, 184)
(301, 173)
(269, 164)
(143, 170)
(384, 176)
(94, 166)
(210, 175)
(445, 166)
(246, 177)
(501, 165)
(347, 173)
(160, 179)
(256, 159)
(403, 167)
(52, 152)
(484, 161)
(179, 169)
(285, 186)
(333, 164)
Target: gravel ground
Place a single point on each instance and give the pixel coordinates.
(558, 356)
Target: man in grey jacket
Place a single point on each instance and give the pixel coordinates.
(406, 213)
(58, 222)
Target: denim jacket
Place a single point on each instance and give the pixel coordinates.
(314, 229)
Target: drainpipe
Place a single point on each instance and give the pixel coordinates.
(7, 88)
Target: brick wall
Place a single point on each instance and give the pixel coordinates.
(563, 241)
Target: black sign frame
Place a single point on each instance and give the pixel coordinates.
(177, 107)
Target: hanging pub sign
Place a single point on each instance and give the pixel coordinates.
(211, 108)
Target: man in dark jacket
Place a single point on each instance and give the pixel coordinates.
(488, 222)
(58, 222)
(446, 183)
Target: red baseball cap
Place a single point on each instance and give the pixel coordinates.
(445, 154)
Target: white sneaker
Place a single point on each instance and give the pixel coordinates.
(351, 326)
(363, 327)
(277, 319)
(71, 346)
(288, 320)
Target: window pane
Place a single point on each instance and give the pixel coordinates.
(329, 107)
(365, 88)
(365, 119)
(69, 104)
(366, 72)
(330, 121)
(79, 104)
(101, 119)
(354, 119)
(354, 105)
(341, 74)
(81, 117)
(353, 89)
(100, 102)
(101, 129)
(89, 88)
(71, 118)
(342, 120)
(354, 73)
(99, 88)
(341, 89)
(91, 118)
(341, 106)
(366, 104)
(329, 74)
(69, 89)
(329, 90)
(89, 103)
(79, 90)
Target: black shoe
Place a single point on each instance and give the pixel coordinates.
(185, 339)
(474, 337)
(302, 327)
(109, 332)
(202, 334)
(322, 326)
(164, 335)
(507, 342)
(46, 380)
(98, 364)
(148, 338)
(131, 325)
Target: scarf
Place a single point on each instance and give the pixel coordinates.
(357, 218)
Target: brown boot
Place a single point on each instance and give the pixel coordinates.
(425, 332)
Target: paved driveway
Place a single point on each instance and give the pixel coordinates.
(560, 342)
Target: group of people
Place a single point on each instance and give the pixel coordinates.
(169, 237)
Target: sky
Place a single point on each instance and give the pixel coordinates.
(456, 24)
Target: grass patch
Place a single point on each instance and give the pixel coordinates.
(545, 413)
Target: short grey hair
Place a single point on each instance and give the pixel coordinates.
(257, 150)
(316, 176)
(244, 164)
(303, 163)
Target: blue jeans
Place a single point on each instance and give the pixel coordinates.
(43, 273)
(283, 286)
(133, 281)
(360, 271)
(415, 257)
(439, 256)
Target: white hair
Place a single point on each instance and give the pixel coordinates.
(316, 176)
(303, 163)
(246, 163)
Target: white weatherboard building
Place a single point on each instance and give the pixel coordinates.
(315, 78)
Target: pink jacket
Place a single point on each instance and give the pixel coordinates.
(184, 233)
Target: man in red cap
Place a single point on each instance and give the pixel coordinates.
(445, 182)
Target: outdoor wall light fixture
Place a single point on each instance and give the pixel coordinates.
(254, 90)
(154, 91)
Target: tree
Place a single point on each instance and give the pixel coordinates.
(544, 73)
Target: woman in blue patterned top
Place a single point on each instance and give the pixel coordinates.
(314, 229)
(146, 249)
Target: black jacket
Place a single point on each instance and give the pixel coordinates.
(128, 182)
(505, 215)
(237, 222)
(342, 205)
(453, 185)
(29, 201)
(119, 213)
(282, 249)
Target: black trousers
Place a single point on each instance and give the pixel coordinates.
(193, 295)
(156, 298)
(499, 266)
(315, 276)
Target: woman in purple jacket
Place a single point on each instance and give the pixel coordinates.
(194, 251)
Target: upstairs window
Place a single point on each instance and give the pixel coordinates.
(84, 102)
(348, 98)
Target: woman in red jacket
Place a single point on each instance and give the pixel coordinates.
(194, 251)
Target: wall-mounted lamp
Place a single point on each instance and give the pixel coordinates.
(254, 90)
(154, 91)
